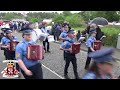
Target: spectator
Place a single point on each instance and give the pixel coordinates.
(99, 33)
(78, 35)
(57, 32)
(15, 27)
(53, 29)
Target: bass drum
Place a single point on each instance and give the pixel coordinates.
(38, 35)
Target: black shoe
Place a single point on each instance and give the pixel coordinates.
(66, 77)
(48, 51)
(64, 58)
(86, 67)
(45, 51)
(77, 77)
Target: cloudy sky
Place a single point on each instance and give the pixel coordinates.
(38, 11)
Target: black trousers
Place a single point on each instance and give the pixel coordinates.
(70, 58)
(88, 59)
(6, 54)
(64, 55)
(36, 70)
(57, 34)
(44, 44)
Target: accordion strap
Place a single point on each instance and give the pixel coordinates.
(68, 41)
(11, 39)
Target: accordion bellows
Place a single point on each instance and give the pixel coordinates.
(35, 52)
(75, 48)
(97, 45)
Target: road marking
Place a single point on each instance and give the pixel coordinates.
(53, 71)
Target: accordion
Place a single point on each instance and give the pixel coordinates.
(75, 48)
(97, 45)
(13, 45)
(35, 52)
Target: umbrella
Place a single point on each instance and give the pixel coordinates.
(99, 21)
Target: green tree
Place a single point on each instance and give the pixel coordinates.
(67, 13)
(75, 20)
(109, 15)
(33, 20)
(59, 19)
(9, 16)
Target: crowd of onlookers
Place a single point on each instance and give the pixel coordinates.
(58, 28)
(14, 25)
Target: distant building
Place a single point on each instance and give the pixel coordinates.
(47, 21)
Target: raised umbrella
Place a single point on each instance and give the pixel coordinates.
(99, 21)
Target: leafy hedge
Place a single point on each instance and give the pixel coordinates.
(111, 35)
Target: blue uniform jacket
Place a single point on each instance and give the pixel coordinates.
(90, 40)
(63, 34)
(67, 43)
(5, 40)
(91, 75)
(21, 53)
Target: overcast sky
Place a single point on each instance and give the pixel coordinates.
(38, 11)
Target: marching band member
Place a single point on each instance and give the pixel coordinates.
(102, 65)
(9, 55)
(63, 37)
(44, 30)
(70, 57)
(31, 69)
(2, 34)
(5, 44)
(89, 42)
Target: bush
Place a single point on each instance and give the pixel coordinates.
(111, 40)
(111, 35)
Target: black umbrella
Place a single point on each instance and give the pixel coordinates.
(99, 21)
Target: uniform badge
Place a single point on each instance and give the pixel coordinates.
(17, 55)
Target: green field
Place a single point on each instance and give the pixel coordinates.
(110, 31)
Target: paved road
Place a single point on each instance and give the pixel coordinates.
(53, 64)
